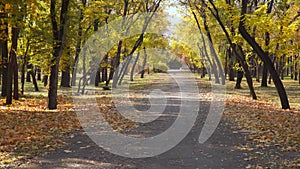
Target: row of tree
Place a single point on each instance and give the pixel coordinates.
(258, 37)
(51, 36)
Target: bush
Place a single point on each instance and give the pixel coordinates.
(160, 68)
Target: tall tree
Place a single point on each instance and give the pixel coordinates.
(59, 39)
(264, 81)
(264, 57)
(4, 48)
(13, 68)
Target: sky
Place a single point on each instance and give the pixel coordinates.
(174, 15)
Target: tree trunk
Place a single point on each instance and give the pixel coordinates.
(28, 79)
(38, 73)
(144, 63)
(125, 69)
(14, 47)
(23, 75)
(247, 72)
(59, 36)
(258, 67)
(65, 78)
(52, 93)
(295, 68)
(281, 67)
(9, 81)
(29, 71)
(263, 55)
(205, 67)
(212, 65)
(213, 52)
(92, 78)
(4, 45)
(264, 81)
(230, 66)
(45, 80)
(239, 76)
(78, 45)
(97, 78)
(116, 65)
(111, 72)
(104, 68)
(13, 68)
(36, 88)
(133, 66)
(291, 67)
(270, 77)
(288, 68)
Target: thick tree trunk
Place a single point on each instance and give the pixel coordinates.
(97, 78)
(9, 82)
(264, 79)
(52, 93)
(59, 36)
(4, 45)
(262, 54)
(65, 78)
(14, 46)
(13, 68)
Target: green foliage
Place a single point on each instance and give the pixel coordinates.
(160, 67)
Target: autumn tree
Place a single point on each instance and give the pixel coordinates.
(264, 56)
(59, 40)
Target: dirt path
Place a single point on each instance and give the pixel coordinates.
(224, 149)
